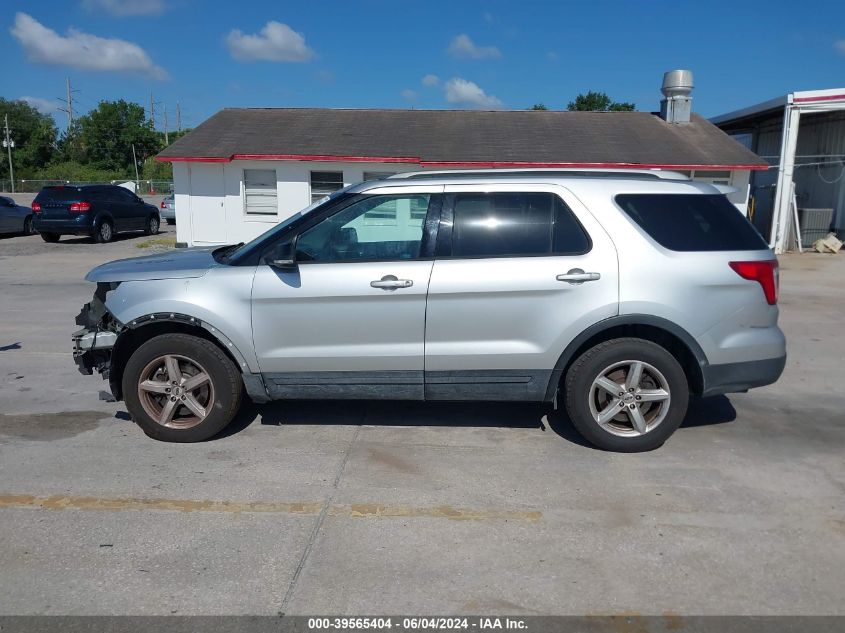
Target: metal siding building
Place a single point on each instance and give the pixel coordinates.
(819, 159)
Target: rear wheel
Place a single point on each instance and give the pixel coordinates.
(50, 237)
(181, 388)
(27, 226)
(627, 395)
(152, 225)
(104, 233)
(171, 222)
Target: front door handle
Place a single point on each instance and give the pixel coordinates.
(390, 282)
(578, 276)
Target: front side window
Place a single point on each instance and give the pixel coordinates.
(260, 195)
(324, 183)
(357, 232)
(515, 224)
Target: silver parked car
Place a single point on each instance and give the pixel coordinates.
(614, 294)
(168, 209)
(15, 218)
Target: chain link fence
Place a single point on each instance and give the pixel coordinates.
(143, 187)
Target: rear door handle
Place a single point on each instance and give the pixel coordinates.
(578, 276)
(390, 282)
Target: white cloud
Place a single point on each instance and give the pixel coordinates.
(430, 80)
(464, 48)
(121, 8)
(276, 42)
(462, 92)
(44, 106)
(840, 46)
(81, 50)
(409, 95)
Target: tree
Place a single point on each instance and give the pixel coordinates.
(598, 102)
(538, 106)
(34, 135)
(107, 134)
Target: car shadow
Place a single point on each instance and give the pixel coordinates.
(701, 412)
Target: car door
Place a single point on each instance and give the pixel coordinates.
(8, 216)
(348, 321)
(132, 209)
(520, 271)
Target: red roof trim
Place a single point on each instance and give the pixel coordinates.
(473, 164)
(823, 98)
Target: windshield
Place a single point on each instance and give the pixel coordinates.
(243, 248)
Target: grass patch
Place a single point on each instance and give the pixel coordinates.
(169, 242)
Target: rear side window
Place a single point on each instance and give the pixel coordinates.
(692, 222)
(514, 224)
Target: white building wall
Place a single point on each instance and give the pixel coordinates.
(293, 180)
(204, 216)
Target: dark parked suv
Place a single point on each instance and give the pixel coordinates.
(100, 211)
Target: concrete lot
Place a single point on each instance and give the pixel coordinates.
(368, 507)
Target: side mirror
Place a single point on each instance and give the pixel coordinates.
(283, 257)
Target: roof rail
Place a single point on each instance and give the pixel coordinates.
(636, 174)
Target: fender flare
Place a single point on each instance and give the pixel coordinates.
(253, 382)
(623, 319)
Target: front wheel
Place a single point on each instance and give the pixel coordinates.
(181, 388)
(627, 395)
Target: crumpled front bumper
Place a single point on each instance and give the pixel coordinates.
(93, 344)
(92, 349)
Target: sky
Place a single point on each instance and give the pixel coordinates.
(486, 54)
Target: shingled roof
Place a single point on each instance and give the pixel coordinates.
(444, 138)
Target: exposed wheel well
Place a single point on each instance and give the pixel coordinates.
(672, 343)
(132, 339)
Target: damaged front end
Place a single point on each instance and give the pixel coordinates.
(93, 344)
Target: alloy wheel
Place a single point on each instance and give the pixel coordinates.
(176, 391)
(629, 398)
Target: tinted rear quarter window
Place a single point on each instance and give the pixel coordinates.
(692, 222)
(514, 224)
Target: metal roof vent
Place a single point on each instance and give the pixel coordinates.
(676, 107)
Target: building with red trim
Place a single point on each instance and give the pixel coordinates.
(244, 170)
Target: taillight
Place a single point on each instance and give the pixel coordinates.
(163, 206)
(763, 272)
(80, 207)
(36, 207)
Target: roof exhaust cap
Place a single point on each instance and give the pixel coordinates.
(676, 106)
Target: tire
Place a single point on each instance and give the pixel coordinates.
(52, 238)
(649, 418)
(171, 222)
(218, 397)
(27, 226)
(104, 233)
(153, 223)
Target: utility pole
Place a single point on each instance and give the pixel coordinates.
(135, 161)
(178, 117)
(166, 137)
(152, 112)
(8, 143)
(69, 102)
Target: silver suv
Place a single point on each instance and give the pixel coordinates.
(616, 294)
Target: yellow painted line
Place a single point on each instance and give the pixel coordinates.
(353, 511)
(372, 510)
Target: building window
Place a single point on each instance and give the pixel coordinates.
(324, 183)
(260, 197)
